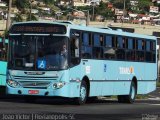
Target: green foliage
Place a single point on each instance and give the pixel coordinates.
(141, 96)
(104, 11)
(31, 17)
(5, 34)
(22, 4)
(48, 2)
(18, 18)
(158, 84)
(143, 5)
(120, 4)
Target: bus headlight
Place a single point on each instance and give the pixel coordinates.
(58, 85)
(12, 83)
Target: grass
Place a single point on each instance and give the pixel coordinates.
(141, 96)
(158, 84)
(137, 97)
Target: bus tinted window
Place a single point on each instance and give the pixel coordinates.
(139, 44)
(153, 46)
(86, 49)
(101, 40)
(85, 39)
(97, 52)
(75, 47)
(96, 40)
(143, 45)
(153, 51)
(148, 56)
(120, 42)
(97, 46)
(148, 46)
(130, 43)
(108, 41)
(86, 52)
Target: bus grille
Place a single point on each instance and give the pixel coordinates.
(34, 84)
(33, 78)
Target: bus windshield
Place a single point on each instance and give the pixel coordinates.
(38, 52)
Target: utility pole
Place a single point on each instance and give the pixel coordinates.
(30, 15)
(8, 23)
(93, 5)
(124, 9)
(87, 18)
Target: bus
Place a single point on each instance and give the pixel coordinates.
(79, 62)
(3, 64)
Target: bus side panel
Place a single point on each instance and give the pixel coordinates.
(74, 80)
(93, 69)
(3, 69)
(146, 87)
(113, 84)
(149, 83)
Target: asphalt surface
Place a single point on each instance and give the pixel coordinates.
(17, 108)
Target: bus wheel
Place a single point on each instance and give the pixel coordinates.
(83, 94)
(128, 98)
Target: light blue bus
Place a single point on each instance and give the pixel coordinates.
(3, 64)
(66, 60)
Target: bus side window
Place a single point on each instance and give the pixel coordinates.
(143, 45)
(97, 46)
(130, 53)
(119, 42)
(148, 51)
(75, 47)
(109, 51)
(86, 50)
(120, 52)
(153, 49)
(140, 51)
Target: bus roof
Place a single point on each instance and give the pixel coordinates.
(95, 29)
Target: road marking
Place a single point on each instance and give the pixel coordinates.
(152, 96)
(156, 98)
(155, 104)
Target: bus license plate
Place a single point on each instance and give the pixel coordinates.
(33, 91)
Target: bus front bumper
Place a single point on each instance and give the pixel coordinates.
(69, 90)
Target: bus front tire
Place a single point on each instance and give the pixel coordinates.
(128, 98)
(83, 94)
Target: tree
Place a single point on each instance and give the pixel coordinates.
(143, 5)
(104, 11)
(22, 4)
(49, 1)
(31, 17)
(120, 3)
(18, 18)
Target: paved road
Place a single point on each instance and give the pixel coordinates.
(155, 95)
(102, 109)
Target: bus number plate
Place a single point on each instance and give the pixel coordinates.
(33, 91)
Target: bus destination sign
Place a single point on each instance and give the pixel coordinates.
(37, 28)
